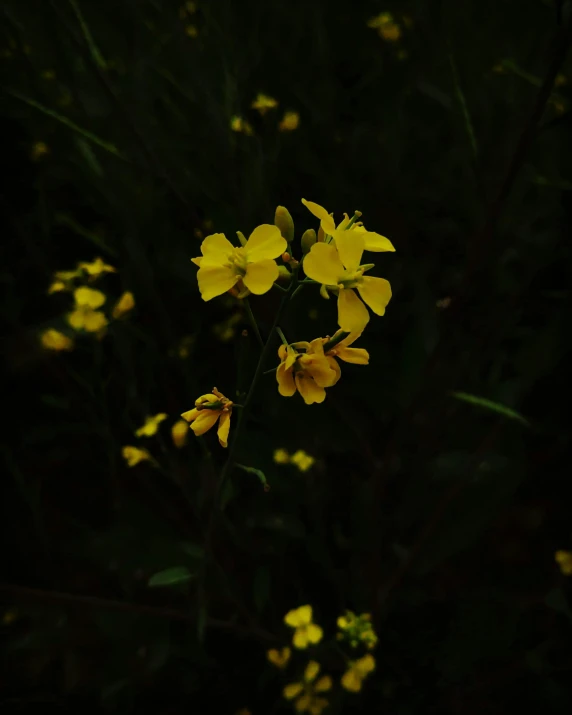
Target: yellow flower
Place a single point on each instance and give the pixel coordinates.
(222, 265)
(85, 316)
(54, 340)
(263, 103)
(341, 349)
(337, 266)
(191, 31)
(358, 670)
(386, 26)
(179, 433)
(124, 305)
(357, 629)
(208, 409)
(281, 456)
(134, 455)
(63, 280)
(306, 691)
(279, 658)
(308, 372)
(238, 124)
(96, 268)
(302, 460)
(151, 425)
(289, 122)
(306, 632)
(39, 150)
(564, 560)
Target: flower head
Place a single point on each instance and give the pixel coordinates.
(338, 347)
(39, 150)
(358, 670)
(54, 340)
(357, 629)
(135, 455)
(307, 372)
(85, 316)
(96, 268)
(124, 305)
(179, 433)
(564, 560)
(305, 631)
(386, 26)
(240, 125)
(289, 122)
(151, 425)
(306, 691)
(208, 409)
(263, 103)
(62, 281)
(279, 658)
(281, 456)
(302, 460)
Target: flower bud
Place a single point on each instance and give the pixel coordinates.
(308, 240)
(284, 274)
(284, 221)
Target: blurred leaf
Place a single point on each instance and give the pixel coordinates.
(490, 405)
(171, 577)
(257, 472)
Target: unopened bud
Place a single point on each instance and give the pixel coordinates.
(284, 274)
(286, 257)
(309, 238)
(284, 221)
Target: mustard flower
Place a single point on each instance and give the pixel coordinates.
(340, 348)
(54, 340)
(96, 268)
(357, 629)
(306, 631)
(302, 460)
(222, 265)
(179, 433)
(85, 316)
(124, 305)
(308, 372)
(279, 658)
(564, 560)
(306, 691)
(240, 125)
(358, 670)
(151, 425)
(281, 456)
(63, 280)
(208, 409)
(289, 122)
(263, 103)
(135, 455)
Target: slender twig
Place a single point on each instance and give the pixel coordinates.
(253, 322)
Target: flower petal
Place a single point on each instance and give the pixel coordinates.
(309, 390)
(223, 429)
(285, 379)
(352, 313)
(323, 685)
(190, 415)
(317, 705)
(298, 616)
(291, 357)
(375, 241)
(376, 292)
(335, 366)
(326, 221)
(216, 248)
(215, 280)
(357, 356)
(292, 690)
(204, 421)
(312, 670)
(323, 264)
(351, 681)
(265, 242)
(260, 276)
(300, 639)
(365, 665)
(94, 321)
(350, 246)
(89, 297)
(315, 633)
(320, 369)
(197, 261)
(304, 703)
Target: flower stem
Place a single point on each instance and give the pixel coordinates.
(253, 322)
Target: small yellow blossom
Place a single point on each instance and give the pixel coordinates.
(96, 268)
(85, 316)
(124, 305)
(263, 103)
(240, 125)
(305, 632)
(9, 617)
(302, 460)
(306, 691)
(191, 31)
(308, 372)
(289, 122)
(63, 280)
(336, 265)
(357, 629)
(279, 658)
(335, 348)
(54, 340)
(564, 560)
(222, 265)
(281, 456)
(151, 425)
(39, 150)
(386, 26)
(134, 455)
(226, 330)
(208, 409)
(179, 433)
(358, 670)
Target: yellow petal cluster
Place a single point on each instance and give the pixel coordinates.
(151, 425)
(306, 692)
(564, 560)
(263, 103)
(52, 339)
(96, 268)
(356, 673)
(124, 305)
(85, 315)
(357, 630)
(305, 631)
(135, 455)
(179, 433)
(209, 409)
(307, 372)
(289, 122)
(279, 658)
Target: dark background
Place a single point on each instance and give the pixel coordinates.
(438, 516)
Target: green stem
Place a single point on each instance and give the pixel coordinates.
(253, 322)
(282, 336)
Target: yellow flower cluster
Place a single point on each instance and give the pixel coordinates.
(134, 455)
(387, 27)
(357, 672)
(264, 103)
(564, 560)
(300, 459)
(305, 630)
(209, 409)
(357, 630)
(306, 692)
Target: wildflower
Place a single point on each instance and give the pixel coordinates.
(39, 150)
(306, 690)
(302, 460)
(357, 629)
(281, 456)
(238, 124)
(124, 305)
(63, 280)
(179, 433)
(338, 347)
(386, 27)
(135, 455)
(54, 340)
(263, 103)
(309, 372)
(358, 670)
(85, 316)
(222, 265)
(289, 122)
(279, 658)
(208, 409)
(96, 268)
(306, 632)
(151, 425)
(564, 560)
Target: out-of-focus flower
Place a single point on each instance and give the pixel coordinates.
(289, 122)
(226, 330)
(308, 372)
(560, 80)
(208, 409)
(564, 560)
(241, 125)
(306, 631)
(192, 31)
(357, 629)
(279, 658)
(306, 691)
(281, 456)
(386, 26)
(39, 150)
(358, 670)
(185, 346)
(151, 426)
(302, 460)
(85, 315)
(96, 268)
(63, 280)
(9, 617)
(263, 103)
(124, 305)
(54, 340)
(179, 433)
(135, 455)
(48, 74)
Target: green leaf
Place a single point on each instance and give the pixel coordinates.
(171, 577)
(258, 472)
(490, 405)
